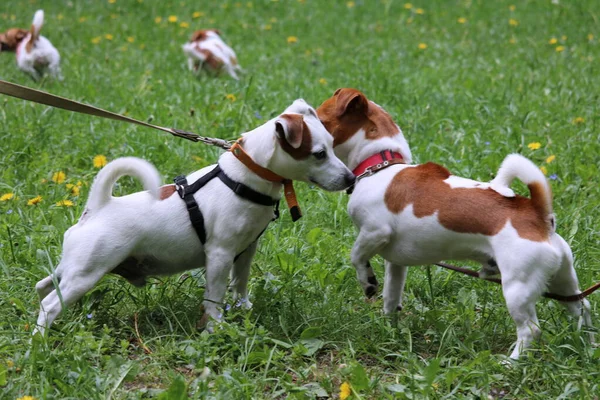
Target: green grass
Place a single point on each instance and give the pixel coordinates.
(467, 100)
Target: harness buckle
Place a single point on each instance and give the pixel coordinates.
(180, 185)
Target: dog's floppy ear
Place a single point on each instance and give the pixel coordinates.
(290, 127)
(350, 101)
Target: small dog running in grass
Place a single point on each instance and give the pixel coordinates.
(422, 214)
(35, 53)
(206, 50)
(150, 233)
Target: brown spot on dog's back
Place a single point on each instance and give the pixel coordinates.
(166, 191)
(349, 111)
(463, 210)
(202, 34)
(296, 124)
(210, 60)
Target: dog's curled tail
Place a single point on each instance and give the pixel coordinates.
(36, 25)
(517, 166)
(101, 191)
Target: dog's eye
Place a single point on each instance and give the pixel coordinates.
(320, 155)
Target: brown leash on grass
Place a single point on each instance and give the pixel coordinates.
(574, 297)
(37, 96)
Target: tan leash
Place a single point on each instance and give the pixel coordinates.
(559, 297)
(37, 96)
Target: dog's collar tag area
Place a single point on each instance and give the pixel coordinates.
(288, 186)
(377, 162)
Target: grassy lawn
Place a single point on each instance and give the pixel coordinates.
(468, 81)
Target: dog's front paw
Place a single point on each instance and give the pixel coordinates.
(244, 303)
(371, 288)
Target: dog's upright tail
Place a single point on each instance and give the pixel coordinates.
(517, 166)
(101, 191)
(36, 27)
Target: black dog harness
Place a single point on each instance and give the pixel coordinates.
(186, 192)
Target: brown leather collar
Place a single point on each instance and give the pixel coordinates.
(288, 186)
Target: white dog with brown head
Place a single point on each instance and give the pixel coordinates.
(35, 54)
(206, 50)
(150, 233)
(421, 214)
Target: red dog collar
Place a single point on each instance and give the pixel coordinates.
(377, 159)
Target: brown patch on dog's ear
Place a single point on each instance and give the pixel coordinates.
(351, 101)
(198, 36)
(348, 111)
(294, 135)
(464, 210)
(10, 39)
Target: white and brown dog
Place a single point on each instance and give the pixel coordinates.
(150, 233)
(421, 214)
(35, 54)
(206, 50)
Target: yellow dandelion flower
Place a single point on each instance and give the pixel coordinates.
(65, 203)
(534, 145)
(99, 161)
(36, 200)
(512, 40)
(197, 14)
(590, 37)
(345, 390)
(10, 363)
(512, 7)
(273, 20)
(350, 4)
(26, 398)
(74, 189)
(59, 177)
(97, 39)
(7, 196)
(158, 20)
(184, 25)
(552, 41)
(82, 19)
(249, 4)
(420, 11)
(130, 39)
(513, 22)
(560, 49)
(231, 97)
(112, 1)
(172, 18)
(578, 121)
(462, 20)
(59, 17)
(292, 39)
(267, 27)
(408, 6)
(544, 170)
(323, 81)
(550, 159)
(422, 46)
(109, 36)
(563, 38)
(197, 159)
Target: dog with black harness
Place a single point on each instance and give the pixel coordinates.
(224, 210)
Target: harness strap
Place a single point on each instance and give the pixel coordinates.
(186, 192)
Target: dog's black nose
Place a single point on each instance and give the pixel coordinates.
(349, 179)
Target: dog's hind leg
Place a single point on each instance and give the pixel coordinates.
(565, 283)
(71, 287)
(367, 245)
(44, 287)
(240, 275)
(393, 288)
